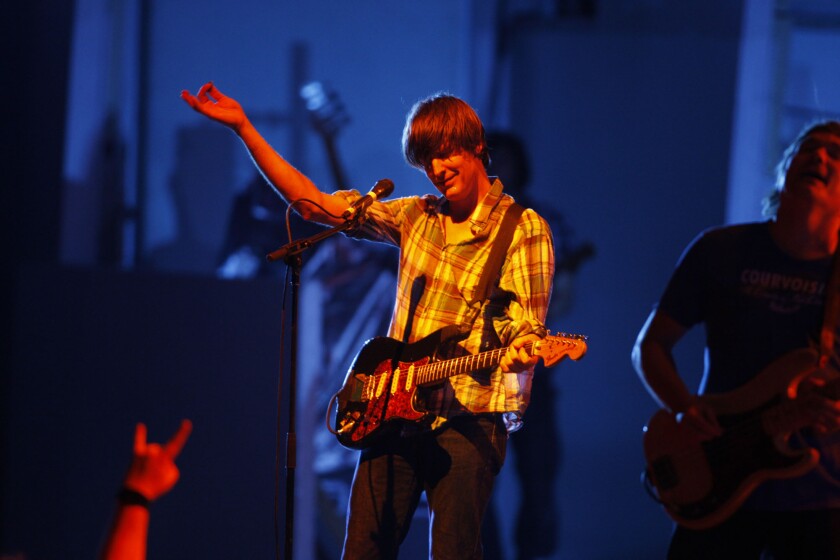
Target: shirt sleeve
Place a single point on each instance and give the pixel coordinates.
(683, 298)
(528, 274)
(383, 220)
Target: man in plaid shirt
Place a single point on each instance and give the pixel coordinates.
(444, 242)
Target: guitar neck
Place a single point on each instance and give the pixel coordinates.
(431, 373)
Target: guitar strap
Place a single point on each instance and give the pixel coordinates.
(493, 267)
(831, 312)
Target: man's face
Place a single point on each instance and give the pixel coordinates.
(814, 172)
(455, 174)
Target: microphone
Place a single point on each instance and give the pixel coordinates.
(381, 189)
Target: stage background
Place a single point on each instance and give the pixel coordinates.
(645, 122)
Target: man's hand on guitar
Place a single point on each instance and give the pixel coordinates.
(211, 103)
(701, 418)
(827, 415)
(517, 358)
(821, 412)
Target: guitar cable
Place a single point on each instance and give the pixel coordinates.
(333, 400)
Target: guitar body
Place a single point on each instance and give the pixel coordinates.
(379, 392)
(702, 483)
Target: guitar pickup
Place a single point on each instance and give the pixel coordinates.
(359, 392)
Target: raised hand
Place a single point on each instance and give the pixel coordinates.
(153, 472)
(213, 104)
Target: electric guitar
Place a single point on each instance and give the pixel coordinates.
(384, 385)
(328, 117)
(701, 483)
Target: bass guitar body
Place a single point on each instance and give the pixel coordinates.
(700, 483)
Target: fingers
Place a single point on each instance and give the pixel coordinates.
(702, 420)
(710, 418)
(827, 415)
(209, 92)
(816, 381)
(189, 98)
(202, 92)
(510, 359)
(506, 364)
(214, 91)
(174, 446)
(517, 358)
(523, 356)
(526, 359)
(202, 96)
(140, 439)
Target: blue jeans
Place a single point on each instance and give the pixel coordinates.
(456, 467)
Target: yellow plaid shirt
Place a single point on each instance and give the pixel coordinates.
(438, 279)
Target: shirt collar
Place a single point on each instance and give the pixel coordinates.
(481, 218)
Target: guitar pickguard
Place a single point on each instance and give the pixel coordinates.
(379, 393)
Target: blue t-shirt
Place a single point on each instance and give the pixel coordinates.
(756, 304)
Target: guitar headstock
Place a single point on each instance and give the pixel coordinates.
(326, 109)
(555, 347)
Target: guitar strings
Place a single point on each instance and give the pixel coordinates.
(431, 372)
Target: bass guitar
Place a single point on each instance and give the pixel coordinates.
(700, 483)
(384, 385)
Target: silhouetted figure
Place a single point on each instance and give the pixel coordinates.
(538, 446)
(199, 189)
(256, 227)
(762, 292)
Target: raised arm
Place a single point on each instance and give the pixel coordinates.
(283, 176)
(653, 360)
(152, 474)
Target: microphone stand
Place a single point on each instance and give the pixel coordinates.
(291, 255)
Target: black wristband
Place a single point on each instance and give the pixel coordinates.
(129, 497)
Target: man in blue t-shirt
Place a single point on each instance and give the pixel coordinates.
(751, 464)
